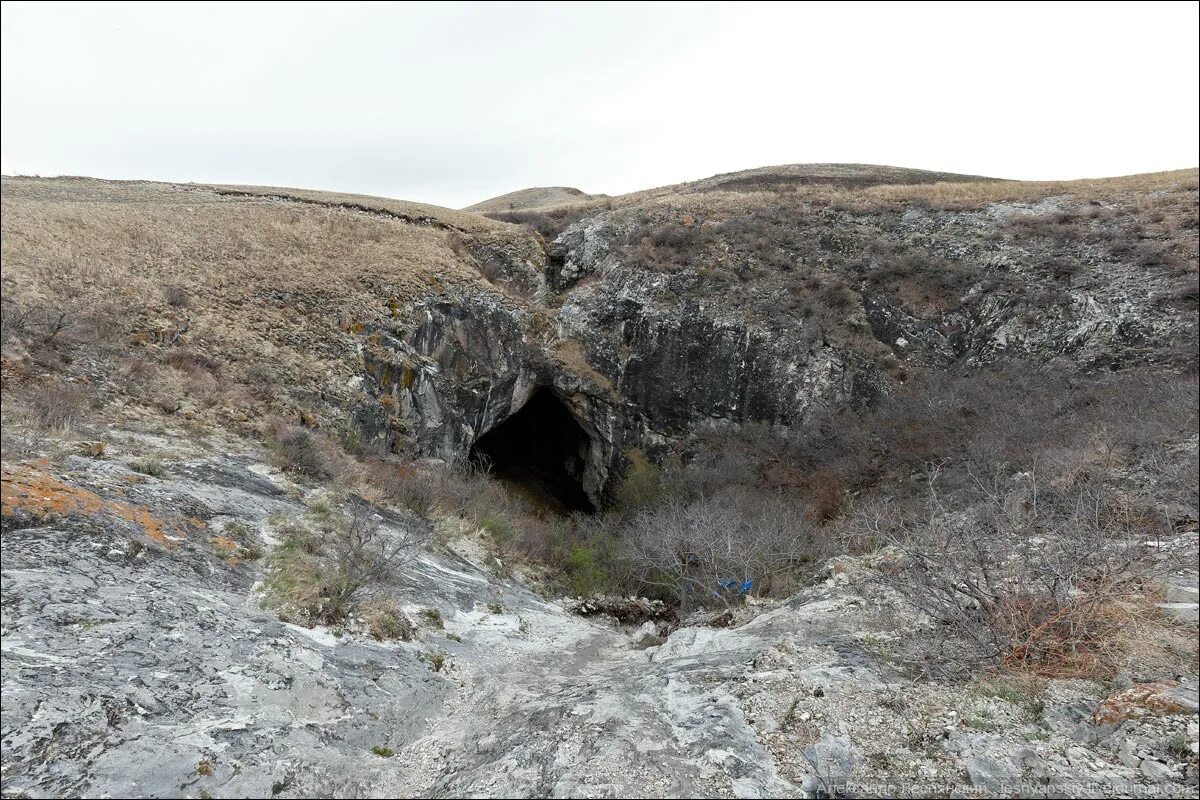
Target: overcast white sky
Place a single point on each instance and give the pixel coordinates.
(452, 103)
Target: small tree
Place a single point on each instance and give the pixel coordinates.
(321, 576)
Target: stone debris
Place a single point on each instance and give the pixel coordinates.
(134, 667)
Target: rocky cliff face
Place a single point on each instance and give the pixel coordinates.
(656, 318)
(741, 298)
(454, 369)
(138, 658)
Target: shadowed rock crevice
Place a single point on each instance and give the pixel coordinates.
(541, 448)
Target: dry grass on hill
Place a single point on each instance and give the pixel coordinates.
(231, 303)
(962, 193)
(533, 198)
(180, 298)
(866, 189)
(439, 216)
(973, 194)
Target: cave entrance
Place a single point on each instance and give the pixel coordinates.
(542, 451)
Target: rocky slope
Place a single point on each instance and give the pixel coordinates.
(152, 334)
(712, 303)
(709, 305)
(137, 662)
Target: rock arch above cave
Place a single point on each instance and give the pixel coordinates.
(541, 448)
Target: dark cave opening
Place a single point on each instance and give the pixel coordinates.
(542, 450)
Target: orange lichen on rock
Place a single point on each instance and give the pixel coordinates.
(32, 490)
(1145, 699)
(226, 549)
(40, 494)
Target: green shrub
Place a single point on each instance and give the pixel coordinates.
(247, 545)
(320, 508)
(641, 484)
(436, 659)
(499, 527)
(584, 573)
(295, 584)
(1179, 746)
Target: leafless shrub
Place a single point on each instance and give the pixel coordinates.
(363, 553)
(407, 485)
(465, 490)
(1018, 574)
(260, 381)
(515, 525)
(548, 223)
(12, 321)
(54, 405)
(188, 360)
(318, 576)
(35, 320)
(177, 296)
(137, 375)
(18, 441)
(1060, 226)
(86, 322)
(920, 279)
(300, 450)
(669, 246)
(698, 551)
(1150, 254)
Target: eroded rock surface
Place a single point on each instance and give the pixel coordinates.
(654, 320)
(144, 666)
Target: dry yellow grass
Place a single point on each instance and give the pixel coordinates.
(949, 195)
(898, 187)
(570, 353)
(534, 198)
(159, 234)
(459, 220)
(277, 293)
(976, 193)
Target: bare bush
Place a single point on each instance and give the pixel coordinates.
(54, 405)
(548, 223)
(466, 490)
(515, 524)
(698, 551)
(1018, 574)
(319, 576)
(76, 321)
(177, 296)
(300, 450)
(407, 485)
